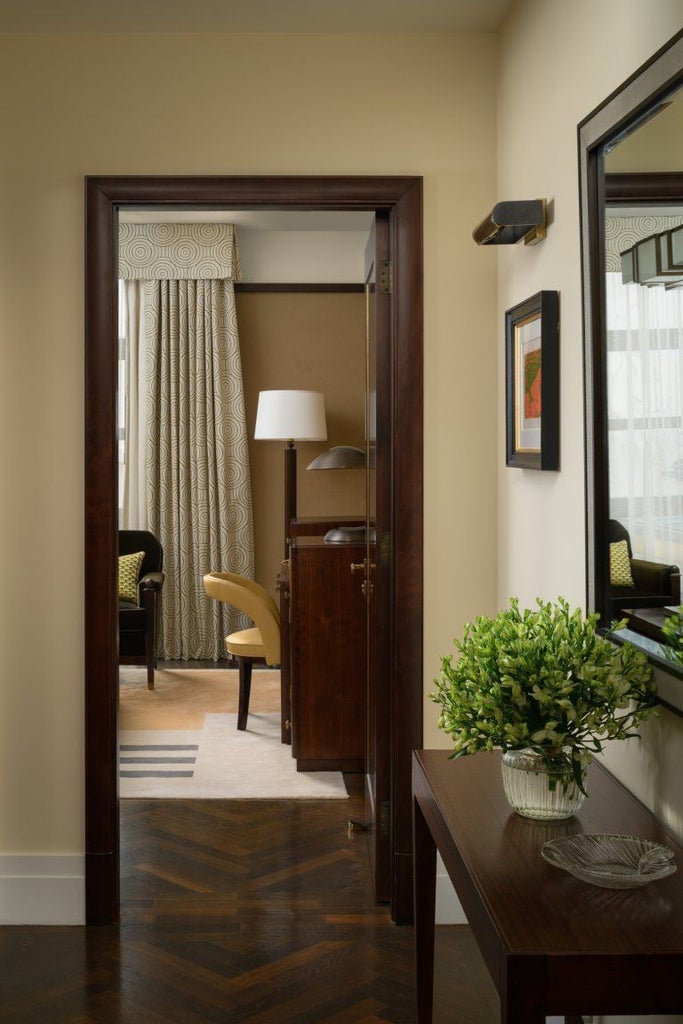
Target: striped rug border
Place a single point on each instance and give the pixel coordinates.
(144, 755)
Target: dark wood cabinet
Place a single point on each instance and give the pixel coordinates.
(328, 655)
(282, 586)
(317, 526)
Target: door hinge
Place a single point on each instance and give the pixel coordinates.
(384, 818)
(386, 277)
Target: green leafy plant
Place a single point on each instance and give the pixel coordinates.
(672, 629)
(542, 678)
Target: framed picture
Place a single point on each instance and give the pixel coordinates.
(532, 383)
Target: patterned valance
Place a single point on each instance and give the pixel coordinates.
(158, 252)
(623, 232)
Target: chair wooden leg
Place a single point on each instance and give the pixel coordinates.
(245, 691)
(150, 658)
(150, 604)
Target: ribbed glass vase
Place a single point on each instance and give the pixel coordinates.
(540, 787)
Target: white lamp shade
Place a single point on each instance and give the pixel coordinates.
(290, 416)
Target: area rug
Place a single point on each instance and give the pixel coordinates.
(219, 762)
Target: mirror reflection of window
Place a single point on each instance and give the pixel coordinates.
(644, 380)
(645, 399)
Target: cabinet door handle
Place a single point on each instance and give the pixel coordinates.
(358, 566)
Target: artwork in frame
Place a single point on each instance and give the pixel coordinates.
(532, 383)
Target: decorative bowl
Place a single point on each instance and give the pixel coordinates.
(612, 862)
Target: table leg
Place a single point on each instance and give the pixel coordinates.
(523, 994)
(425, 901)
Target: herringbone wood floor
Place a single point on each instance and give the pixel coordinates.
(247, 912)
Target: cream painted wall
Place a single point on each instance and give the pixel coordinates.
(655, 146)
(216, 105)
(558, 62)
(545, 89)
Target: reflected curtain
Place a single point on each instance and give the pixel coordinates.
(645, 416)
(197, 488)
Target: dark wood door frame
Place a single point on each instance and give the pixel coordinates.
(402, 198)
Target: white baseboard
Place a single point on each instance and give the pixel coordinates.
(42, 889)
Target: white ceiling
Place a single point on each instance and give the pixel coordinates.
(258, 220)
(67, 16)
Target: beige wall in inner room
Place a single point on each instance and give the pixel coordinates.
(558, 62)
(314, 341)
(195, 104)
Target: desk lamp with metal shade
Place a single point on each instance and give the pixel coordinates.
(342, 456)
(290, 416)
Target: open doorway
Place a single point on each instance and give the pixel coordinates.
(400, 550)
(300, 322)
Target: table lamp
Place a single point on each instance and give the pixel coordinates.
(290, 416)
(341, 456)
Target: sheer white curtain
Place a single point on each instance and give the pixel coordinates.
(645, 416)
(133, 436)
(186, 464)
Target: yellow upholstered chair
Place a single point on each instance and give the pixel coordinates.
(261, 642)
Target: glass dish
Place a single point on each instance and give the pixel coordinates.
(610, 861)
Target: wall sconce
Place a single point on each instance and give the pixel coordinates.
(290, 416)
(509, 221)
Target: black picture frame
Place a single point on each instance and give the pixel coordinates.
(532, 383)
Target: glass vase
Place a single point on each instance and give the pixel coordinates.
(541, 786)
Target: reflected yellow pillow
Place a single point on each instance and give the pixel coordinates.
(129, 574)
(620, 565)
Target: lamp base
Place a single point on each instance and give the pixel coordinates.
(290, 491)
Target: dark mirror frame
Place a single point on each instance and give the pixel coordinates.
(616, 118)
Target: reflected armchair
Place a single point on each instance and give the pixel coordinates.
(655, 584)
(260, 643)
(139, 611)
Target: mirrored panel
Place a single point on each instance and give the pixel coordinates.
(631, 165)
(644, 378)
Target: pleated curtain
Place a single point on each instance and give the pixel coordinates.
(197, 484)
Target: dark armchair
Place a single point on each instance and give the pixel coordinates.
(138, 620)
(654, 583)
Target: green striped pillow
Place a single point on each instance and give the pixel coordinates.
(620, 565)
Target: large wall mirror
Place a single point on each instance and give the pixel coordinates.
(631, 176)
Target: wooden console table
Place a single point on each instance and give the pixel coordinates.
(648, 621)
(552, 944)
